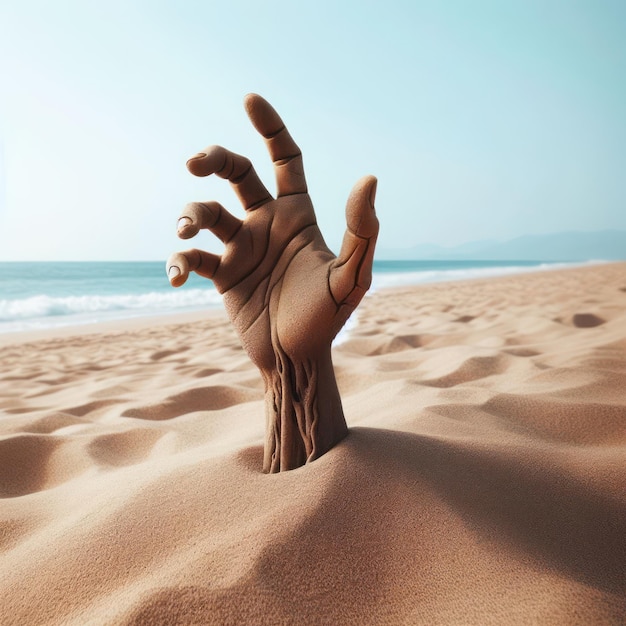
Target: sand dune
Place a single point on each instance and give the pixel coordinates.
(483, 480)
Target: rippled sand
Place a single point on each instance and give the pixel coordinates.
(483, 480)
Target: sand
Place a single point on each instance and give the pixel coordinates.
(483, 480)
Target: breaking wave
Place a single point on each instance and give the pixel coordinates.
(43, 311)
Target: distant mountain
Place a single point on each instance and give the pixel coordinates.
(609, 245)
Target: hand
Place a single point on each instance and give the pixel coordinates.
(285, 292)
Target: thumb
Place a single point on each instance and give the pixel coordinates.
(351, 274)
(360, 213)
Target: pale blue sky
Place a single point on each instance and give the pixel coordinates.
(481, 120)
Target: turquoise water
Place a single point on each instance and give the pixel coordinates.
(41, 295)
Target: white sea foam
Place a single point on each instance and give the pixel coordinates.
(48, 311)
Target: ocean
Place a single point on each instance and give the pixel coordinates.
(36, 295)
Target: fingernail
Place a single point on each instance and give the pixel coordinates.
(183, 221)
(200, 155)
(173, 272)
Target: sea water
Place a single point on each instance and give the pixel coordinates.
(35, 295)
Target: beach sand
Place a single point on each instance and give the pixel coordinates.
(483, 480)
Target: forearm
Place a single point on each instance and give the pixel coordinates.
(303, 411)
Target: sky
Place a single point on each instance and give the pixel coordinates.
(484, 119)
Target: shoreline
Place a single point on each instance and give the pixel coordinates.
(73, 309)
(111, 327)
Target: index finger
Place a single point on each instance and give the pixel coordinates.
(284, 151)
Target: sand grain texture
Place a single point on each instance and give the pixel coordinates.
(483, 480)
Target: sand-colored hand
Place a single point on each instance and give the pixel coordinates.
(286, 293)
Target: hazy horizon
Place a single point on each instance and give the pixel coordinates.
(481, 122)
(613, 248)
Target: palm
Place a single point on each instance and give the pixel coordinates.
(279, 285)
